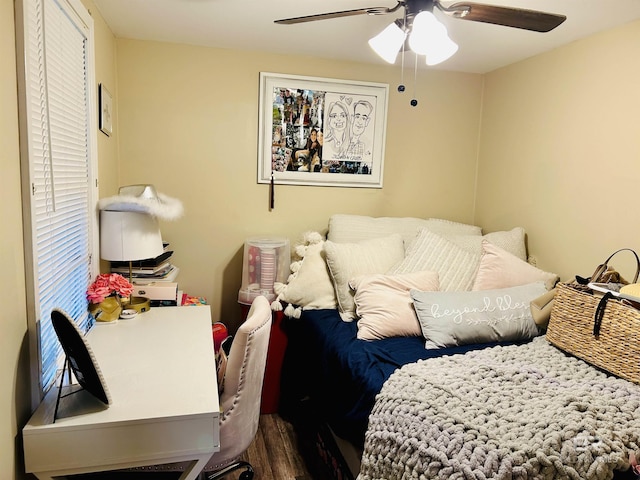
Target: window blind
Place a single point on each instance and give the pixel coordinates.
(57, 96)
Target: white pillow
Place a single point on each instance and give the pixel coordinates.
(356, 228)
(384, 305)
(349, 260)
(345, 228)
(448, 227)
(309, 286)
(456, 266)
(457, 318)
(511, 240)
(500, 269)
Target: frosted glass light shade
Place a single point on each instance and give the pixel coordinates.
(429, 37)
(426, 29)
(126, 236)
(443, 51)
(387, 43)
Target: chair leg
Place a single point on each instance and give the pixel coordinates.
(246, 475)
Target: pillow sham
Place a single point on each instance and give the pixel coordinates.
(500, 269)
(348, 260)
(456, 266)
(384, 305)
(449, 227)
(344, 228)
(511, 241)
(449, 319)
(309, 286)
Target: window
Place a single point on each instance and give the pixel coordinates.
(58, 149)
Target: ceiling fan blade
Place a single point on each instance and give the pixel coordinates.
(506, 16)
(344, 13)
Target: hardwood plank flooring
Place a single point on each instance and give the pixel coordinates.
(274, 453)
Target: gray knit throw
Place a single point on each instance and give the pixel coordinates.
(514, 412)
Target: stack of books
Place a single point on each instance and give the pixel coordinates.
(158, 269)
(153, 278)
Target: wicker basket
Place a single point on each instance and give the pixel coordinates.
(616, 349)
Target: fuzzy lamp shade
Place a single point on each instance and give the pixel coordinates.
(144, 199)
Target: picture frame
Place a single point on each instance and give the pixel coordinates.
(321, 131)
(106, 110)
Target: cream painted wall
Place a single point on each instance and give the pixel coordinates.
(105, 60)
(188, 123)
(14, 359)
(560, 152)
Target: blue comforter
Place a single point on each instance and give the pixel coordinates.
(342, 375)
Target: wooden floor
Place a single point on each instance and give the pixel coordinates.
(273, 454)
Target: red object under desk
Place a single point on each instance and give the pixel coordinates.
(275, 356)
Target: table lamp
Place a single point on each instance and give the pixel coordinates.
(128, 236)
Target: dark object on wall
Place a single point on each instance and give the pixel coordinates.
(106, 110)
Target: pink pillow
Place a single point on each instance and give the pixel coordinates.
(500, 269)
(384, 304)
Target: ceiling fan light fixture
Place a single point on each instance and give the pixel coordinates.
(441, 51)
(429, 37)
(387, 43)
(425, 31)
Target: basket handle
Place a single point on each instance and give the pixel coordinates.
(599, 313)
(597, 317)
(603, 268)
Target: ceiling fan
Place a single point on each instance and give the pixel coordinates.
(420, 23)
(477, 12)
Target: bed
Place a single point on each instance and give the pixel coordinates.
(325, 360)
(374, 404)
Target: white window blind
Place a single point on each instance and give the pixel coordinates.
(58, 152)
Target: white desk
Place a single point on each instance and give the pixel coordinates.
(160, 371)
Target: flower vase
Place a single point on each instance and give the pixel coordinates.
(107, 310)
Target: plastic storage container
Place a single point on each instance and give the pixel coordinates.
(266, 261)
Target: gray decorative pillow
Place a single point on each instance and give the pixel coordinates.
(448, 319)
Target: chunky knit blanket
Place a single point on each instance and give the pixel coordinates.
(513, 412)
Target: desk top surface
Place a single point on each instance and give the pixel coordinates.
(158, 366)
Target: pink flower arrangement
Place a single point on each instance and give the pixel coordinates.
(108, 284)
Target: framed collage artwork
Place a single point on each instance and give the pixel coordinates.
(320, 131)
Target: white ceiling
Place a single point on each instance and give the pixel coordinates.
(248, 25)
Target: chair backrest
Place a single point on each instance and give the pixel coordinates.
(240, 400)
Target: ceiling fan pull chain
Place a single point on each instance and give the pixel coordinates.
(414, 102)
(401, 87)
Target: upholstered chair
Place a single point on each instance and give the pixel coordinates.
(240, 400)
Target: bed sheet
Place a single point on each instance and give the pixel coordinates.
(326, 363)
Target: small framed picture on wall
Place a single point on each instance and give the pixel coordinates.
(106, 110)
